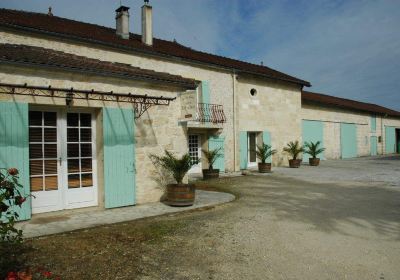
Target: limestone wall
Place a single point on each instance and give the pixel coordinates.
(155, 131)
(221, 82)
(275, 107)
(333, 116)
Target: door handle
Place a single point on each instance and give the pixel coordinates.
(60, 160)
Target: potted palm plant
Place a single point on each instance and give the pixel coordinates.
(313, 149)
(178, 194)
(294, 149)
(263, 152)
(211, 156)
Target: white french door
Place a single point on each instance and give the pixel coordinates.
(195, 152)
(62, 159)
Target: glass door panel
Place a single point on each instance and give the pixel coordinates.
(43, 161)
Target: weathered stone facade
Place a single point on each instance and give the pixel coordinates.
(332, 117)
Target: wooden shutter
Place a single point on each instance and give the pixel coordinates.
(14, 147)
(119, 157)
(243, 150)
(216, 142)
(267, 140)
(348, 140)
(313, 131)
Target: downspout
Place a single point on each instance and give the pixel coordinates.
(234, 119)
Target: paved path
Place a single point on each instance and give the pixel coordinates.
(58, 223)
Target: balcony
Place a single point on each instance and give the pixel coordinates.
(201, 115)
(210, 113)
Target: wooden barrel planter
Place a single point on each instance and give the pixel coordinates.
(210, 173)
(313, 161)
(294, 163)
(264, 167)
(180, 195)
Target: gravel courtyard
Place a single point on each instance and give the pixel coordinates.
(338, 221)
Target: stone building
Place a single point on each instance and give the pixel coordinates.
(82, 107)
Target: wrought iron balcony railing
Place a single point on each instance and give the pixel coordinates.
(210, 113)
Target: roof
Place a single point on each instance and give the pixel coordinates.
(307, 96)
(62, 27)
(41, 57)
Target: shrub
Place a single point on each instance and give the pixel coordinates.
(264, 151)
(177, 167)
(294, 149)
(11, 199)
(212, 156)
(313, 149)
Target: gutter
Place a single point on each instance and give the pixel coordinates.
(148, 52)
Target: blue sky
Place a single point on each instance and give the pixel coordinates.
(344, 48)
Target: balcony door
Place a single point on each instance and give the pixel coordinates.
(62, 159)
(195, 152)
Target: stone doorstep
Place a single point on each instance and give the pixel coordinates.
(59, 223)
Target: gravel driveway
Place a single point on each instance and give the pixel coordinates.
(338, 221)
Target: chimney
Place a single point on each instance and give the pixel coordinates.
(147, 24)
(122, 21)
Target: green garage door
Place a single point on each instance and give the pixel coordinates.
(313, 131)
(348, 140)
(390, 135)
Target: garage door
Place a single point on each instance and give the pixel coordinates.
(348, 140)
(313, 131)
(390, 135)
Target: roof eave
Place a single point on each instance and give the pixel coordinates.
(184, 85)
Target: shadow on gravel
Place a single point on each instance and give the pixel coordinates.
(392, 157)
(327, 206)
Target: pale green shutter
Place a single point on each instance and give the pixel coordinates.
(390, 139)
(348, 140)
(267, 140)
(312, 131)
(243, 150)
(373, 123)
(14, 147)
(374, 145)
(216, 142)
(119, 157)
(205, 92)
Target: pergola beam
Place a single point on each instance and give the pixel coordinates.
(141, 102)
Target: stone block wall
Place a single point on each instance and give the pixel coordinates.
(155, 131)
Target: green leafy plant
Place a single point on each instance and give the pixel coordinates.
(177, 167)
(264, 151)
(294, 149)
(212, 156)
(313, 149)
(10, 198)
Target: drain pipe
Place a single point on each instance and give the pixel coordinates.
(234, 119)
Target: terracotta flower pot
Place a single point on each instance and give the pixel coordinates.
(313, 161)
(210, 173)
(294, 163)
(264, 167)
(180, 195)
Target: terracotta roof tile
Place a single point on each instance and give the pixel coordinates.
(307, 96)
(103, 35)
(23, 54)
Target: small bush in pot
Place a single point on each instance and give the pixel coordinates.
(178, 194)
(263, 152)
(294, 149)
(211, 156)
(313, 149)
